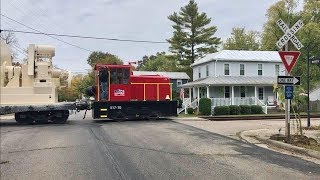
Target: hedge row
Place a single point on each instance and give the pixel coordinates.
(236, 110)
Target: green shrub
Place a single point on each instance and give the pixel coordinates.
(234, 110)
(245, 109)
(255, 109)
(190, 110)
(205, 106)
(222, 110)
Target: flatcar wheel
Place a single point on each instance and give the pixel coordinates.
(23, 118)
(60, 116)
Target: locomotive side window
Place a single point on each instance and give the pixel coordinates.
(126, 76)
(113, 76)
(119, 76)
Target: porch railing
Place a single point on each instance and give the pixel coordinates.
(264, 106)
(188, 103)
(220, 102)
(244, 101)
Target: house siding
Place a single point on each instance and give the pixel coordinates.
(251, 68)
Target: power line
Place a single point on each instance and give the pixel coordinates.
(45, 34)
(87, 37)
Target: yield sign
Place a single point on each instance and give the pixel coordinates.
(289, 59)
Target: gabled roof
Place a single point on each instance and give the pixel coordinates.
(240, 55)
(232, 80)
(171, 75)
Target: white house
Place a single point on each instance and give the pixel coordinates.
(235, 77)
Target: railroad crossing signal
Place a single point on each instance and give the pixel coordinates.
(289, 34)
(289, 59)
(288, 80)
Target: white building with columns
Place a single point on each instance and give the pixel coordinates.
(235, 77)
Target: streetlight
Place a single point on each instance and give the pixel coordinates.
(313, 61)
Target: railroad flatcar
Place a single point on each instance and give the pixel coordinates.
(118, 94)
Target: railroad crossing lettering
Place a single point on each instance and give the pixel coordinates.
(289, 34)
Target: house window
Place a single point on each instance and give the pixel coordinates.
(260, 69)
(277, 69)
(242, 91)
(260, 92)
(226, 92)
(226, 69)
(241, 69)
(207, 70)
(199, 72)
(179, 82)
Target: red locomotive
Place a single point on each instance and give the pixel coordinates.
(121, 95)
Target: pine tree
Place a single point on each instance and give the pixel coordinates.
(192, 37)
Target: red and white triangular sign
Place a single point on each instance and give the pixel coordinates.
(289, 59)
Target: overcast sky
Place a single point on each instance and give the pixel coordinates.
(124, 19)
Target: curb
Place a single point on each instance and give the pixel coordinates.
(252, 117)
(291, 148)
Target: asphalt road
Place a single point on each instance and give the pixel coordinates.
(163, 149)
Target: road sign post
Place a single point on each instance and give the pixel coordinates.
(289, 59)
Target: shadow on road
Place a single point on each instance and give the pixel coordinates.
(105, 121)
(15, 124)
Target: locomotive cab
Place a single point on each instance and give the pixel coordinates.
(113, 83)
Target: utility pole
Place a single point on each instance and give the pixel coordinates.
(287, 105)
(308, 88)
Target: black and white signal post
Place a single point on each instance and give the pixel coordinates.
(289, 58)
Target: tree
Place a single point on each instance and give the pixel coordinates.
(158, 62)
(192, 37)
(309, 35)
(12, 41)
(284, 9)
(242, 40)
(101, 57)
(73, 92)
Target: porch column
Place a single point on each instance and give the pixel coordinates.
(208, 91)
(185, 104)
(190, 94)
(198, 95)
(182, 89)
(255, 95)
(232, 95)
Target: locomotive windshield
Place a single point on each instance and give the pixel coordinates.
(104, 85)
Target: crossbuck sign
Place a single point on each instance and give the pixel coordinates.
(289, 34)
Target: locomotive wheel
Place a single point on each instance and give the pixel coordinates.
(60, 116)
(23, 118)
